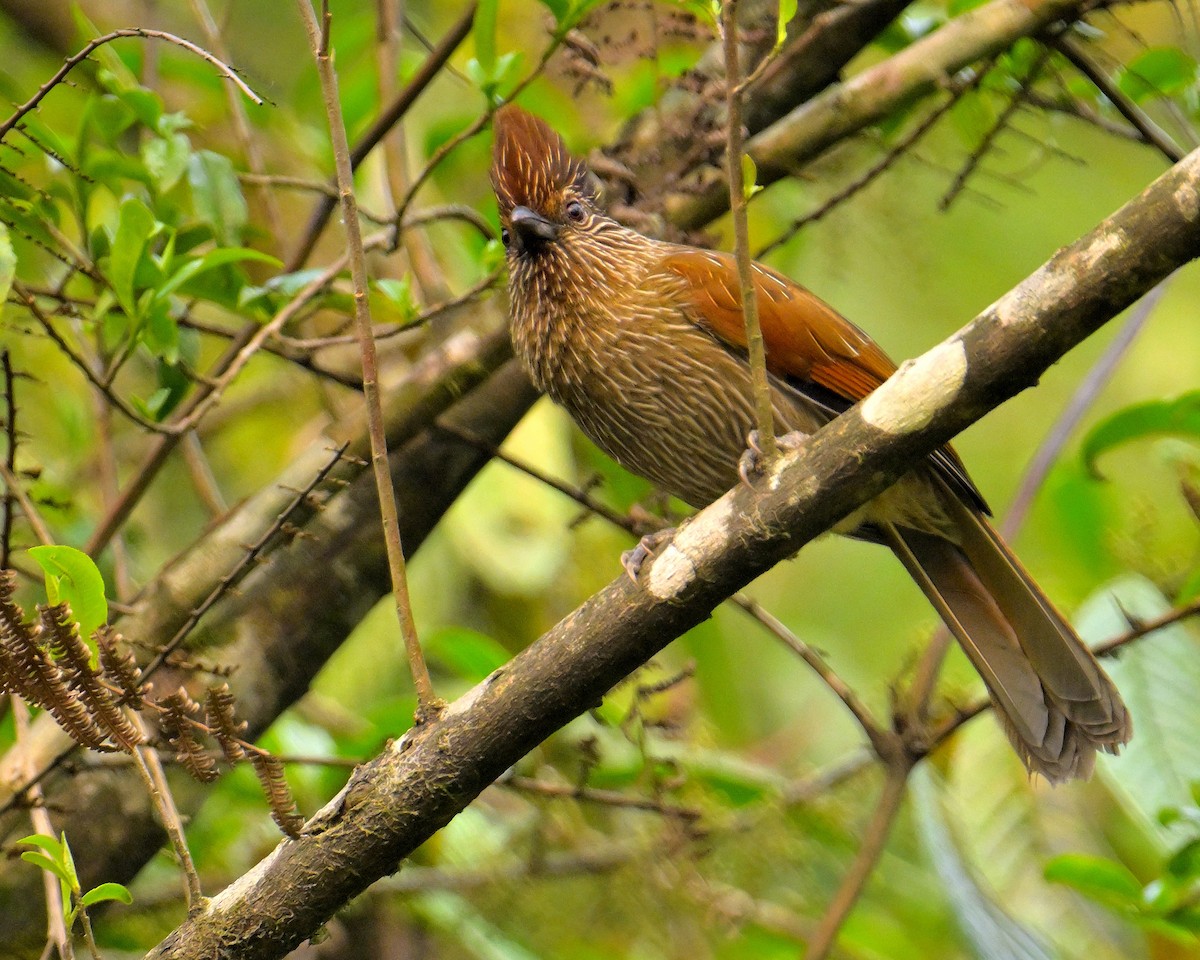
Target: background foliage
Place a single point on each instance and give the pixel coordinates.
(710, 806)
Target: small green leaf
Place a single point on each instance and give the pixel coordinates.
(71, 576)
(1158, 72)
(49, 844)
(559, 8)
(135, 226)
(1104, 881)
(106, 891)
(493, 255)
(217, 195)
(484, 29)
(1185, 862)
(749, 177)
(787, 10)
(8, 263)
(166, 160)
(1180, 417)
(45, 863)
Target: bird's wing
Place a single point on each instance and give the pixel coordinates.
(809, 345)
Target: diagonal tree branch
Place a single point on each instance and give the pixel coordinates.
(393, 804)
(850, 107)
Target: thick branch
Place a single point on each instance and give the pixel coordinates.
(847, 108)
(286, 619)
(401, 798)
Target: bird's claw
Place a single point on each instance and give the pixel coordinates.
(751, 462)
(633, 560)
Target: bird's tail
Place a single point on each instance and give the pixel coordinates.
(1054, 700)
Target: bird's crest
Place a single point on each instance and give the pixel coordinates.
(531, 166)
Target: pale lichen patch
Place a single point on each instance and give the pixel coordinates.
(1110, 241)
(918, 389)
(1187, 199)
(670, 573)
(1046, 285)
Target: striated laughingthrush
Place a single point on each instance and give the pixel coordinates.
(643, 343)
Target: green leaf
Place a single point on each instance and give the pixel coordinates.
(787, 10)
(1179, 417)
(749, 177)
(135, 226)
(45, 863)
(994, 934)
(484, 30)
(559, 8)
(1185, 862)
(8, 263)
(217, 195)
(71, 576)
(47, 843)
(1097, 878)
(166, 160)
(1158, 677)
(1158, 72)
(104, 892)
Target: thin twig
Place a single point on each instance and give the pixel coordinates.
(241, 123)
(763, 411)
(318, 34)
(1150, 131)
(150, 769)
(56, 924)
(10, 457)
(869, 851)
(989, 138)
(16, 492)
(73, 61)
(388, 118)
(872, 173)
(875, 732)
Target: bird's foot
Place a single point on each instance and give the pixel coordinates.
(633, 560)
(752, 461)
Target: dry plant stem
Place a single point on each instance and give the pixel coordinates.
(430, 278)
(872, 173)
(240, 351)
(56, 923)
(998, 126)
(318, 34)
(16, 492)
(73, 61)
(150, 768)
(429, 69)
(241, 123)
(763, 413)
(1085, 395)
(870, 849)
(203, 479)
(871, 727)
(1151, 132)
(847, 108)
(10, 457)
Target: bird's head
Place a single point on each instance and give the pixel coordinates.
(546, 195)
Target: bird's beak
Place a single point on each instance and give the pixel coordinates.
(530, 229)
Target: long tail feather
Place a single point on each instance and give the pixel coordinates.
(1054, 700)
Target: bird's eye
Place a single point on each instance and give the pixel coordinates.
(575, 211)
(504, 237)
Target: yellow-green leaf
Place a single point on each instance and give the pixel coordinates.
(71, 576)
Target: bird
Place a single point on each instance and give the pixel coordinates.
(642, 341)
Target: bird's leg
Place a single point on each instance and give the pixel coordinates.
(633, 560)
(751, 462)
